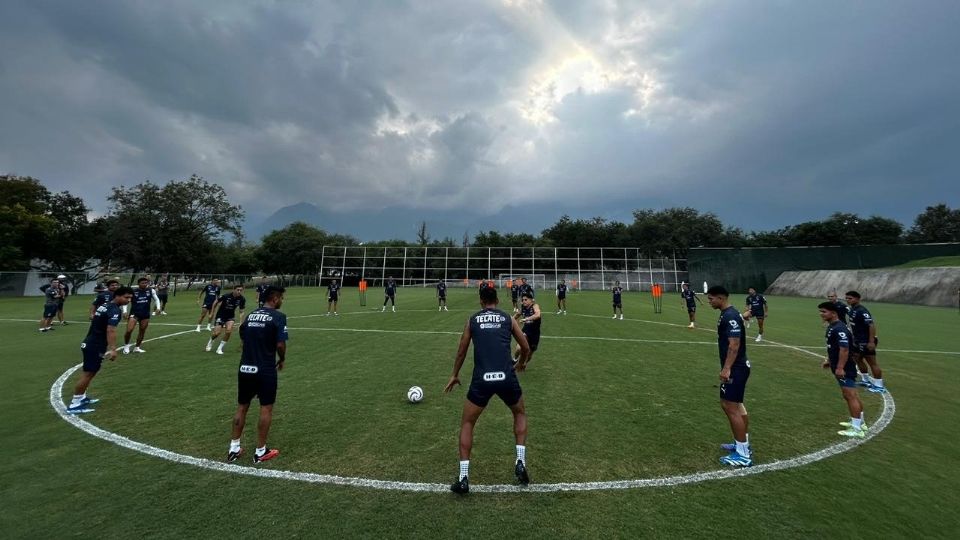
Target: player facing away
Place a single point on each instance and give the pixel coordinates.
(264, 337)
(562, 297)
(163, 294)
(515, 295)
(226, 310)
(842, 308)
(865, 343)
(104, 297)
(530, 318)
(617, 291)
(51, 301)
(389, 294)
(844, 367)
(261, 290)
(333, 297)
(494, 374)
(441, 295)
(734, 372)
(690, 300)
(205, 299)
(757, 309)
(100, 344)
(64, 292)
(139, 315)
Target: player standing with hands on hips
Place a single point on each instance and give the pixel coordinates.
(494, 374)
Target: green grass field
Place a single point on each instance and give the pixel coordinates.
(607, 400)
(932, 262)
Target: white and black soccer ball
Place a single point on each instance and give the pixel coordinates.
(415, 394)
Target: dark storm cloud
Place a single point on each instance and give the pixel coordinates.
(766, 113)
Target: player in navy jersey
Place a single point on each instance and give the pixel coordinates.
(865, 343)
(690, 300)
(757, 309)
(617, 291)
(104, 296)
(841, 307)
(139, 315)
(333, 296)
(843, 366)
(205, 299)
(494, 374)
(562, 297)
(64, 293)
(264, 336)
(530, 319)
(734, 372)
(99, 345)
(441, 295)
(389, 294)
(51, 301)
(526, 288)
(261, 289)
(163, 294)
(515, 295)
(226, 309)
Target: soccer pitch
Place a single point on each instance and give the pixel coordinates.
(607, 400)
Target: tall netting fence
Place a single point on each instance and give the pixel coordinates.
(581, 268)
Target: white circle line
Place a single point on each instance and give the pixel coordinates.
(56, 391)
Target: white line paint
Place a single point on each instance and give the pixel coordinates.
(56, 391)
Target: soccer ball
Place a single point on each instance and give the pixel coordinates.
(415, 394)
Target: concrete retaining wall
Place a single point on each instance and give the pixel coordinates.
(923, 286)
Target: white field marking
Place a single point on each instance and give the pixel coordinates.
(56, 391)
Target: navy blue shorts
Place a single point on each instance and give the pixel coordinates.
(263, 386)
(562, 296)
(618, 305)
(737, 387)
(141, 316)
(332, 298)
(533, 338)
(759, 316)
(860, 349)
(208, 305)
(691, 309)
(49, 311)
(508, 390)
(222, 321)
(92, 356)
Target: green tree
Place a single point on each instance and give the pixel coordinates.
(936, 224)
(294, 249)
(674, 230)
(173, 227)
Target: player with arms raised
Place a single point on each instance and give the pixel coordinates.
(490, 331)
(617, 291)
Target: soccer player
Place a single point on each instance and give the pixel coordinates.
(842, 308)
(441, 295)
(734, 372)
(526, 287)
(690, 299)
(515, 295)
(51, 301)
(617, 291)
(844, 367)
(264, 337)
(562, 297)
(139, 315)
(756, 308)
(261, 289)
(389, 293)
(207, 297)
(865, 343)
(105, 296)
(494, 374)
(333, 296)
(226, 309)
(64, 292)
(530, 317)
(163, 294)
(100, 344)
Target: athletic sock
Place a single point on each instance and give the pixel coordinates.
(261, 451)
(743, 448)
(522, 453)
(210, 343)
(856, 423)
(220, 347)
(862, 420)
(234, 445)
(464, 469)
(77, 398)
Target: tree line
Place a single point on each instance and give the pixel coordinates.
(190, 226)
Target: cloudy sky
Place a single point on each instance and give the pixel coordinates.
(767, 112)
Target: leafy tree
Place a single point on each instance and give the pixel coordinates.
(936, 224)
(174, 227)
(843, 229)
(677, 229)
(294, 249)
